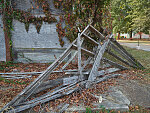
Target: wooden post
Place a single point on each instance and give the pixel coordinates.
(79, 55)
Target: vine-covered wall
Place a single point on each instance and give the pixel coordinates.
(2, 42)
(73, 14)
(33, 31)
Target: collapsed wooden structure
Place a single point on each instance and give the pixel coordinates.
(83, 76)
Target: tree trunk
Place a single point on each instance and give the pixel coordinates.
(118, 35)
(131, 34)
(7, 39)
(140, 36)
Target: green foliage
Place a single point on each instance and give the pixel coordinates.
(3, 65)
(131, 14)
(79, 13)
(12, 81)
(88, 110)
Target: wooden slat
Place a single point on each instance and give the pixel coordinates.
(93, 73)
(16, 77)
(114, 64)
(86, 63)
(107, 77)
(72, 57)
(123, 54)
(96, 32)
(116, 43)
(83, 50)
(79, 55)
(119, 58)
(107, 71)
(90, 39)
(77, 73)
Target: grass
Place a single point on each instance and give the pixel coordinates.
(142, 56)
(132, 109)
(3, 65)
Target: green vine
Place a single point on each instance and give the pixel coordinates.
(79, 13)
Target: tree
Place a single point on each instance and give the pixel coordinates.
(78, 13)
(122, 22)
(129, 15)
(141, 15)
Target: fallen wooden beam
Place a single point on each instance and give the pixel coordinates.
(114, 64)
(107, 77)
(119, 58)
(16, 77)
(137, 63)
(124, 55)
(44, 99)
(61, 81)
(107, 71)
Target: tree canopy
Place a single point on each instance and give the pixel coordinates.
(131, 15)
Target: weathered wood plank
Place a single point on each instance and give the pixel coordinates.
(116, 43)
(96, 64)
(86, 63)
(16, 77)
(83, 50)
(107, 71)
(44, 99)
(21, 73)
(114, 64)
(119, 58)
(72, 57)
(79, 55)
(77, 73)
(101, 36)
(90, 39)
(123, 54)
(107, 77)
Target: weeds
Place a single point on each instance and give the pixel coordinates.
(3, 65)
(12, 81)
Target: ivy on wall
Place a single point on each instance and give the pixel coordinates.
(77, 13)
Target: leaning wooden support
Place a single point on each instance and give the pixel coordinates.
(123, 55)
(107, 77)
(119, 58)
(28, 91)
(84, 50)
(137, 63)
(79, 56)
(114, 64)
(101, 36)
(68, 85)
(72, 57)
(96, 64)
(45, 98)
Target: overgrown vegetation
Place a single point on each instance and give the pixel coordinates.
(4, 65)
(12, 81)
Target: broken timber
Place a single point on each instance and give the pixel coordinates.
(81, 75)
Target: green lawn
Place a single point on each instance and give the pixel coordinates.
(142, 56)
